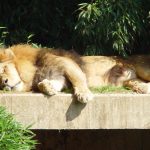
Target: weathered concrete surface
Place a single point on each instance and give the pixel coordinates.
(106, 111)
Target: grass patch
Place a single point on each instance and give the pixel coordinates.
(104, 89)
(110, 89)
(68, 90)
(13, 136)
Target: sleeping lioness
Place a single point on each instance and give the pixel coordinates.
(24, 68)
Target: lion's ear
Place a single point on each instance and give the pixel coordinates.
(6, 55)
(9, 53)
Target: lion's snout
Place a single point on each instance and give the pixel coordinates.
(3, 81)
(4, 84)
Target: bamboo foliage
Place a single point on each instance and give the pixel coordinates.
(89, 26)
(109, 24)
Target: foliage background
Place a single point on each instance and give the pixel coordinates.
(92, 29)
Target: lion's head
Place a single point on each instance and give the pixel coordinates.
(9, 77)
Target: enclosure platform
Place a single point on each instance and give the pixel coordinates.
(106, 111)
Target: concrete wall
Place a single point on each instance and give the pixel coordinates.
(106, 111)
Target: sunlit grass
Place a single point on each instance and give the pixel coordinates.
(13, 136)
(104, 89)
(110, 89)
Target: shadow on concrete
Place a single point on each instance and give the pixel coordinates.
(74, 109)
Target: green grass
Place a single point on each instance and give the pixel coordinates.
(110, 89)
(104, 89)
(13, 136)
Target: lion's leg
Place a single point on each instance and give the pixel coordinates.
(79, 83)
(72, 72)
(138, 86)
(78, 80)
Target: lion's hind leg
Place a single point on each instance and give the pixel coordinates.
(138, 86)
(50, 87)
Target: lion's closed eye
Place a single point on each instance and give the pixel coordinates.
(5, 69)
(1, 70)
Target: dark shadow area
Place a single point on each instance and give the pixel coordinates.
(93, 139)
(74, 109)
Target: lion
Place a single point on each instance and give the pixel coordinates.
(24, 68)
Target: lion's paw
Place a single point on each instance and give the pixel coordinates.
(144, 88)
(84, 96)
(46, 87)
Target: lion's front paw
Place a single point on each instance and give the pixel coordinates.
(83, 96)
(46, 87)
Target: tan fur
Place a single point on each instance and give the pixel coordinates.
(24, 68)
(24, 58)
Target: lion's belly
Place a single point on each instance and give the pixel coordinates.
(95, 81)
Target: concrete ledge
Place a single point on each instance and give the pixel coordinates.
(106, 111)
